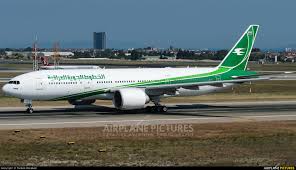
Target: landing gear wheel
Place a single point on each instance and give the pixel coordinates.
(149, 109)
(164, 109)
(155, 109)
(28, 104)
(30, 110)
(152, 109)
(161, 108)
(158, 109)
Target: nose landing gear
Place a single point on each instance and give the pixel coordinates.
(28, 104)
(30, 110)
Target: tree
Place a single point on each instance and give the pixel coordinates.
(162, 57)
(256, 50)
(28, 49)
(185, 54)
(135, 55)
(2, 52)
(221, 54)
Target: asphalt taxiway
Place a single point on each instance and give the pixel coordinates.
(91, 116)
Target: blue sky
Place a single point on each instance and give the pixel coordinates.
(139, 23)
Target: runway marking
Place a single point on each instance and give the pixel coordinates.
(141, 120)
(246, 118)
(102, 121)
(145, 118)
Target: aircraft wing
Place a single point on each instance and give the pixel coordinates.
(172, 88)
(153, 88)
(196, 84)
(278, 75)
(236, 79)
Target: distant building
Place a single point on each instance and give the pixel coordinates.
(151, 58)
(40, 53)
(99, 39)
(60, 53)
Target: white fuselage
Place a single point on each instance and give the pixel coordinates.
(52, 84)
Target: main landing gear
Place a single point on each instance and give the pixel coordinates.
(30, 110)
(157, 108)
(154, 109)
(28, 104)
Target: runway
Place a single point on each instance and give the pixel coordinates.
(91, 116)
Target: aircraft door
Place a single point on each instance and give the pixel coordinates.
(40, 84)
(87, 85)
(167, 76)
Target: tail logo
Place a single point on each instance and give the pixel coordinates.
(238, 51)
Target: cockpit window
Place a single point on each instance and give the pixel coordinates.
(14, 82)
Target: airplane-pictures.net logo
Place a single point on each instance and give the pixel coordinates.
(238, 51)
(173, 130)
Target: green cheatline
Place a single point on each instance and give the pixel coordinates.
(147, 84)
(224, 73)
(234, 64)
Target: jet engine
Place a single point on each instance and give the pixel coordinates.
(130, 98)
(81, 102)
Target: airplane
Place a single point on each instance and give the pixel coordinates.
(134, 88)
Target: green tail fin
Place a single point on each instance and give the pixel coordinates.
(237, 58)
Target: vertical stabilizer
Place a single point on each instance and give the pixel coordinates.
(238, 57)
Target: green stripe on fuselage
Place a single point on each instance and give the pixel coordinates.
(219, 74)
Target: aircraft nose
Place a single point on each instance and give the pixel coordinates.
(5, 89)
